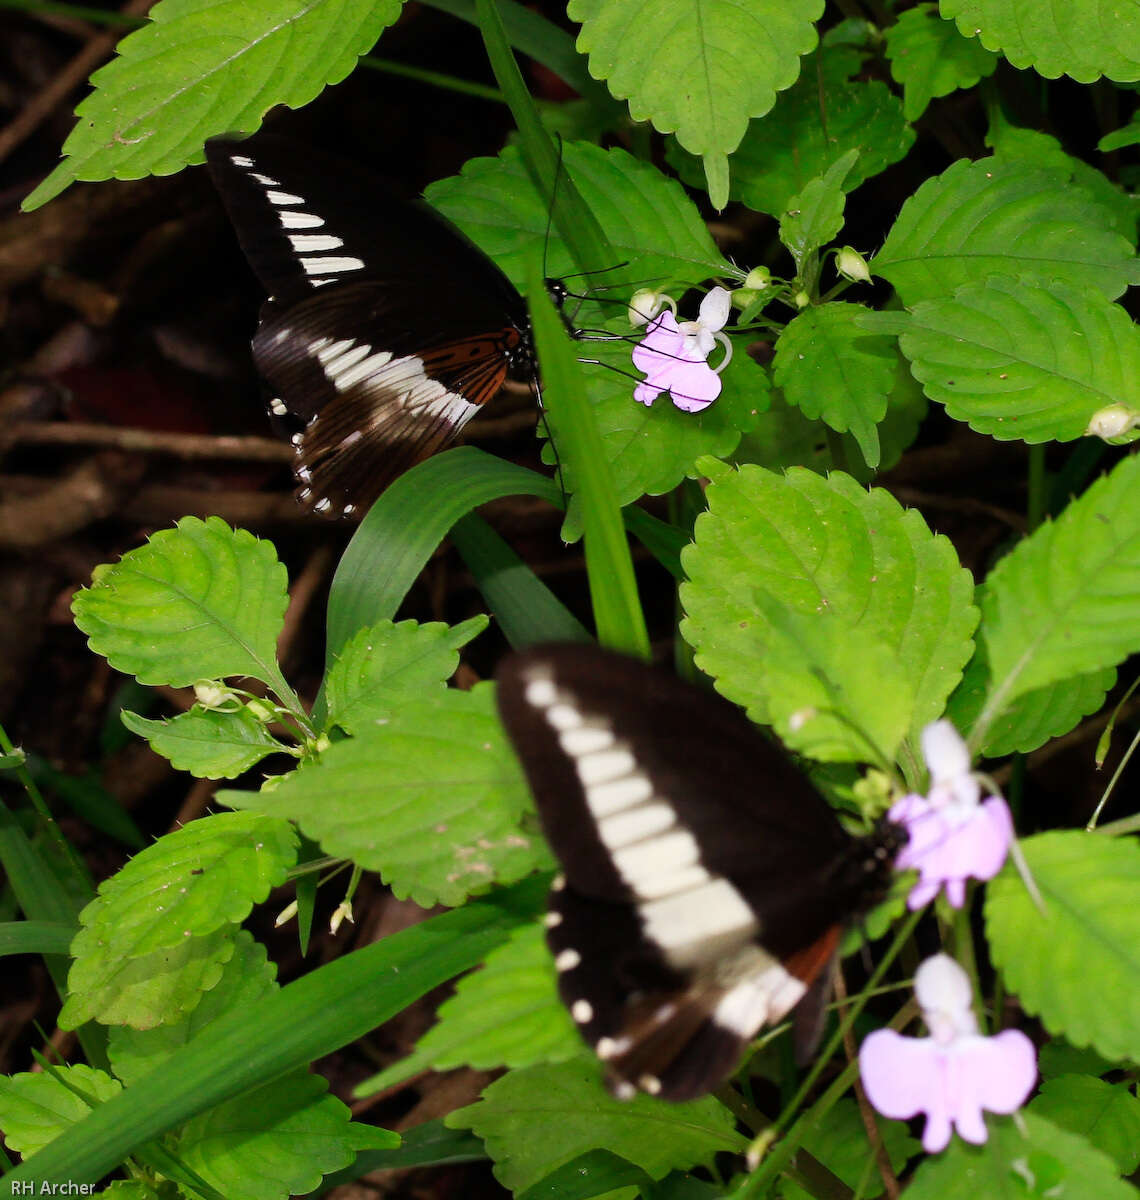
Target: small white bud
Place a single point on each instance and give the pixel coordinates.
(801, 299)
(1112, 421)
(644, 305)
(342, 913)
(759, 279)
(286, 914)
(212, 694)
(852, 265)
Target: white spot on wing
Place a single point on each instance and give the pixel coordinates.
(308, 243)
(604, 766)
(265, 181)
(299, 220)
(324, 349)
(562, 716)
(582, 1011)
(332, 265)
(585, 741)
(277, 407)
(764, 994)
(607, 798)
(567, 960)
(540, 693)
(699, 923)
(367, 366)
(283, 198)
(552, 920)
(240, 160)
(635, 825)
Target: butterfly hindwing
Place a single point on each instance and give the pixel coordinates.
(706, 882)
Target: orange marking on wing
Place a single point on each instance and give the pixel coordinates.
(807, 963)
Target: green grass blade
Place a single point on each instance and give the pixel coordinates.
(35, 937)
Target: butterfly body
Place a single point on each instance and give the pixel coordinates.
(385, 330)
(706, 882)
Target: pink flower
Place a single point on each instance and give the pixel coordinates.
(952, 836)
(953, 1075)
(674, 356)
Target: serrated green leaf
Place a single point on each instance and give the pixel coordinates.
(823, 545)
(387, 663)
(207, 743)
(1106, 1114)
(534, 1120)
(839, 1141)
(1035, 717)
(145, 990)
(821, 117)
(930, 58)
(649, 220)
(1043, 1163)
(431, 798)
(994, 217)
(1082, 38)
(200, 68)
(245, 979)
(200, 601)
(1077, 966)
(35, 1108)
(276, 1141)
(701, 72)
(651, 449)
(815, 215)
(831, 369)
(1060, 604)
(1020, 358)
(506, 1014)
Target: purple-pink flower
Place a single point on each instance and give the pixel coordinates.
(953, 1075)
(674, 356)
(953, 836)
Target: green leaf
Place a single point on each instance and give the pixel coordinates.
(815, 215)
(275, 1141)
(1082, 39)
(831, 369)
(649, 220)
(168, 910)
(595, 1175)
(1043, 1163)
(1077, 966)
(35, 937)
(994, 217)
(430, 797)
(199, 68)
(245, 979)
(1035, 717)
(1105, 1114)
(1058, 1057)
(699, 71)
(330, 1007)
(207, 743)
(506, 1014)
(388, 663)
(536, 1119)
(819, 119)
(1060, 604)
(35, 1108)
(839, 1141)
(200, 601)
(929, 58)
(824, 546)
(1020, 358)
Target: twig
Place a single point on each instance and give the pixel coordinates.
(190, 446)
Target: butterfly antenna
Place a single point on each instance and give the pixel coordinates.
(550, 209)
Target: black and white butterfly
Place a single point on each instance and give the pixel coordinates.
(706, 883)
(385, 330)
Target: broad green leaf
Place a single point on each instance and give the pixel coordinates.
(821, 117)
(1001, 217)
(824, 546)
(245, 979)
(1060, 604)
(839, 1141)
(536, 1119)
(815, 215)
(1077, 966)
(207, 743)
(1106, 1114)
(1035, 717)
(831, 369)
(277, 1140)
(1081, 38)
(1020, 358)
(506, 1014)
(701, 71)
(431, 797)
(1012, 143)
(930, 58)
(1058, 1057)
(201, 67)
(145, 990)
(327, 1008)
(595, 1175)
(167, 912)
(388, 663)
(649, 221)
(651, 449)
(200, 601)
(36, 1107)
(1043, 1163)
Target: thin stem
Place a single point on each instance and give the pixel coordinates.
(96, 16)
(1091, 826)
(1037, 498)
(1121, 827)
(465, 87)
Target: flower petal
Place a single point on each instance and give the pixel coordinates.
(715, 308)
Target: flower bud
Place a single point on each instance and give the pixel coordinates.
(212, 694)
(261, 711)
(759, 279)
(852, 265)
(644, 305)
(801, 299)
(342, 913)
(1112, 421)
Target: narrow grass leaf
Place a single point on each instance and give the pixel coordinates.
(35, 937)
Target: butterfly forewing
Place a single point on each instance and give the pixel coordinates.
(705, 880)
(386, 329)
